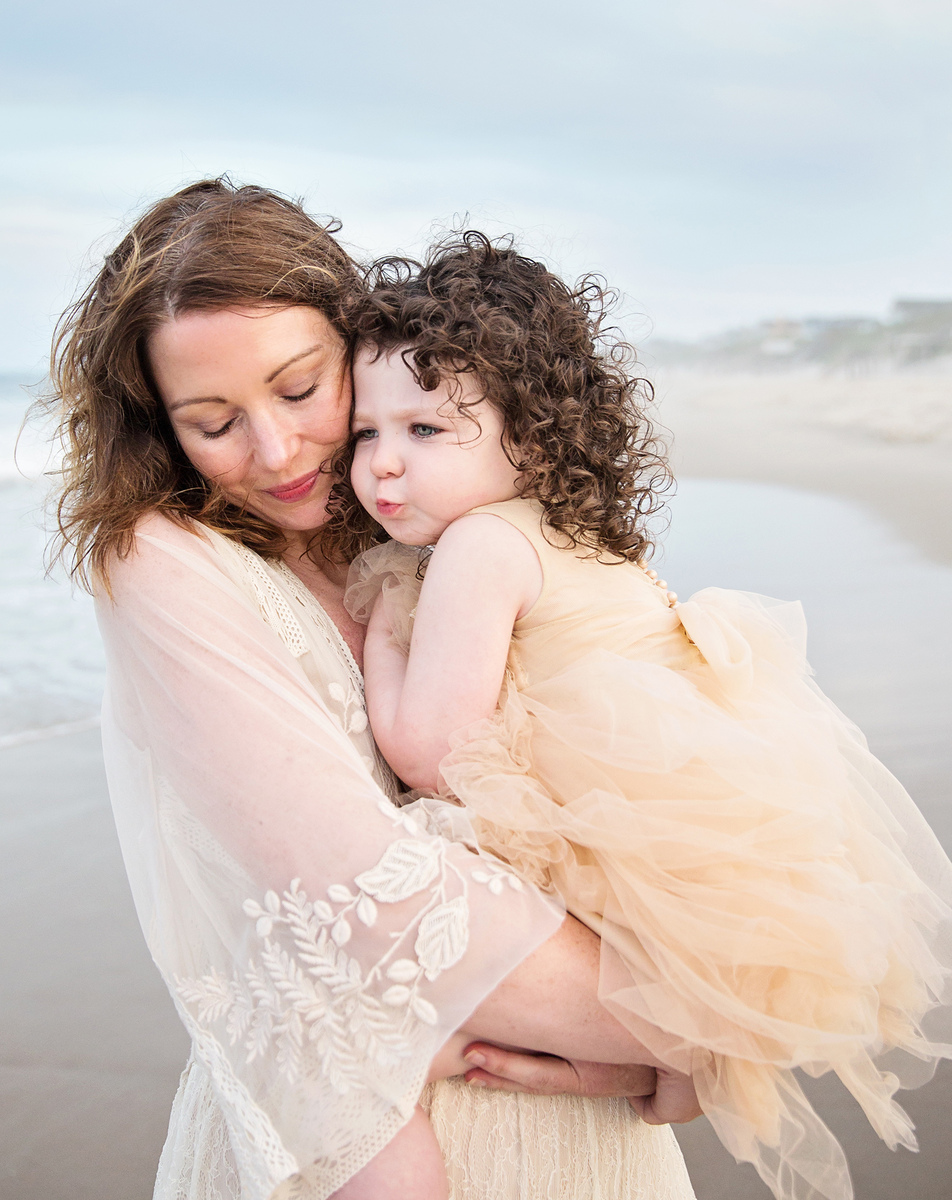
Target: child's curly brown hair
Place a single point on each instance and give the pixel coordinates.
(575, 416)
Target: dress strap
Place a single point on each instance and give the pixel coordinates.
(528, 517)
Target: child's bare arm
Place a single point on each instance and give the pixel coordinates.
(482, 577)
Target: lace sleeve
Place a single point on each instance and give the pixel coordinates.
(319, 944)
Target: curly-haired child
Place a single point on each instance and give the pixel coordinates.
(767, 895)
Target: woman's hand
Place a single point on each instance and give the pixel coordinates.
(544, 1075)
(659, 1097)
(673, 1102)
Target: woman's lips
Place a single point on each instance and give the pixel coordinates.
(297, 489)
(386, 509)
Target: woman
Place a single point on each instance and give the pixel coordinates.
(321, 945)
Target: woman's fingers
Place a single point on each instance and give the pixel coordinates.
(540, 1074)
(674, 1101)
(546, 1075)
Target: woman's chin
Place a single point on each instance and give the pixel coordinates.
(306, 516)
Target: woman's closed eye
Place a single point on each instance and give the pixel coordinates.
(217, 433)
(303, 395)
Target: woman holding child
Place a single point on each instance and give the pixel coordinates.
(767, 895)
(327, 950)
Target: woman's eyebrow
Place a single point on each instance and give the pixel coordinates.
(296, 358)
(196, 400)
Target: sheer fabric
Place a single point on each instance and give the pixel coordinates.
(320, 944)
(767, 895)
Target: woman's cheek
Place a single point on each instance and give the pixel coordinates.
(224, 464)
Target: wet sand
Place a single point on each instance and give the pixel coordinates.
(90, 1047)
(816, 435)
(885, 443)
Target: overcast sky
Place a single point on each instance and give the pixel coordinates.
(721, 161)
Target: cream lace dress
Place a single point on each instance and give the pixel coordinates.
(320, 944)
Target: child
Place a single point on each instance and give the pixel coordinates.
(766, 893)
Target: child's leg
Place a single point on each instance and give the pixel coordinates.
(409, 1167)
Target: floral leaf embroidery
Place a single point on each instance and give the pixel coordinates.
(423, 1010)
(354, 715)
(407, 867)
(304, 1002)
(403, 970)
(442, 937)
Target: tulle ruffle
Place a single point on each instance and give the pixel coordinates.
(767, 894)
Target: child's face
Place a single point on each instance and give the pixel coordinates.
(419, 462)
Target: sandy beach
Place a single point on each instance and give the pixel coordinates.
(883, 441)
(90, 1047)
(884, 444)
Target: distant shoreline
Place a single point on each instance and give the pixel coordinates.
(883, 441)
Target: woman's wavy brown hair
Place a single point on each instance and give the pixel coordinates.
(575, 413)
(209, 246)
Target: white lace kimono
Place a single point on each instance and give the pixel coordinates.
(320, 944)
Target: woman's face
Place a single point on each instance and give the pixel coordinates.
(259, 399)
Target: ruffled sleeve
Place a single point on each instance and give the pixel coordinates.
(319, 944)
(393, 572)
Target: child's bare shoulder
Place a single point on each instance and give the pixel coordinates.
(483, 554)
(488, 536)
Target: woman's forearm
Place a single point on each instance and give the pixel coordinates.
(550, 1004)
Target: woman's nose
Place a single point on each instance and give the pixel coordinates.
(274, 446)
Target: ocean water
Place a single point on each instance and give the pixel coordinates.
(51, 661)
(878, 611)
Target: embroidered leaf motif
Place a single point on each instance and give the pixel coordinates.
(443, 936)
(213, 995)
(406, 868)
(403, 970)
(306, 1005)
(423, 1010)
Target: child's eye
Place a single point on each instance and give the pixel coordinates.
(424, 431)
(217, 433)
(364, 435)
(304, 395)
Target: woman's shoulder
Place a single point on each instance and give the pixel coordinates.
(159, 526)
(159, 550)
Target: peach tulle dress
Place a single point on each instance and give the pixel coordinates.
(767, 894)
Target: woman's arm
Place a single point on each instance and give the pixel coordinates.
(320, 945)
(550, 1003)
(482, 576)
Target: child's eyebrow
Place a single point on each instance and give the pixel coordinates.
(401, 414)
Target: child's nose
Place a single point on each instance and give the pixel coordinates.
(386, 460)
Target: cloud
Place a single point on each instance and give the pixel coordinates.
(706, 155)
